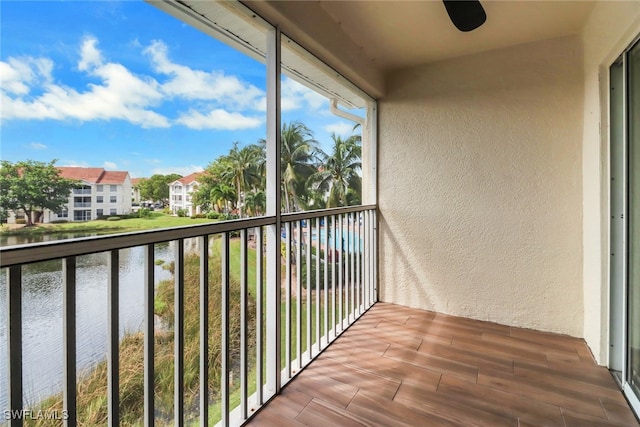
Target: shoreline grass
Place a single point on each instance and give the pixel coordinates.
(156, 220)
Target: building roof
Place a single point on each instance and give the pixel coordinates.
(189, 178)
(93, 175)
(136, 181)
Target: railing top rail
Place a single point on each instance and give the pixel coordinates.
(296, 216)
(45, 251)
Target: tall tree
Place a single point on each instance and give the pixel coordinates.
(298, 150)
(33, 186)
(242, 170)
(339, 174)
(156, 188)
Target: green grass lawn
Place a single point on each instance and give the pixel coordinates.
(155, 221)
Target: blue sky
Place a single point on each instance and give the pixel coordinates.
(124, 86)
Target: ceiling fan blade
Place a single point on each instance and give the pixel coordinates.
(466, 15)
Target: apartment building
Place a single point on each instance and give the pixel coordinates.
(180, 194)
(99, 193)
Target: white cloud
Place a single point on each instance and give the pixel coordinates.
(110, 165)
(343, 129)
(121, 94)
(90, 56)
(218, 119)
(296, 96)
(192, 84)
(182, 170)
(37, 146)
(18, 74)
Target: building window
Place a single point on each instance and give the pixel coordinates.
(83, 215)
(113, 211)
(113, 188)
(62, 213)
(113, 199)
(99, 212)
(99, 188)
(99, 199)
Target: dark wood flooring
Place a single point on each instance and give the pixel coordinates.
(398, 366)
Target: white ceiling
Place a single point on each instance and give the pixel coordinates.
(398, 34)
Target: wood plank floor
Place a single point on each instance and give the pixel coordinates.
(398, 366)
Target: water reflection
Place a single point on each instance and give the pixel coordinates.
(42, 328)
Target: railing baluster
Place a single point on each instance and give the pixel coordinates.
(352, 278)
(299, 294)
(374, 249)
(149, 335)
(347, 272)
(113, 355)
(326, 278)
(14, 332)
(178, 334)
(224, 374)
(259, 326)
(334, 255)
(287, 309)
(204, 330)
(365, 259)
(341, 273)
(317, 279)
(308, 293)
(358, 237)
(243, 324)
(69, 322)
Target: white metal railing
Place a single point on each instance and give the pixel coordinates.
(330, 279)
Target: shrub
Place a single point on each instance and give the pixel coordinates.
(59, 221)
(181, 213)
(166, 211)
(213, 215)
(21, 221)
(144, 213)
(198, 216)
(113, 218)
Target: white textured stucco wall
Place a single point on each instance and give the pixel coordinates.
(612, 25)
(480, 186)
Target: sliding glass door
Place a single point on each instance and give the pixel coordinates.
(624, 139)
(633, 302)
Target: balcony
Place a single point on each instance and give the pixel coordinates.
(79, 191)
(342, 356)
(81, 204)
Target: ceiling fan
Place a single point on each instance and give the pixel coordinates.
(466, 15)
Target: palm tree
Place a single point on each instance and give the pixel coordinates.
(221, 195)
(339, 174)
(298, 150)
(242, 171)
(255, 202)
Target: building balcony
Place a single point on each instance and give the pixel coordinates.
(79, 191)
(81, 204)
(336, 355)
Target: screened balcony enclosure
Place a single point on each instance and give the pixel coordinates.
(486, 275)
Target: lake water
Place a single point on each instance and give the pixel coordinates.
(42, 326)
